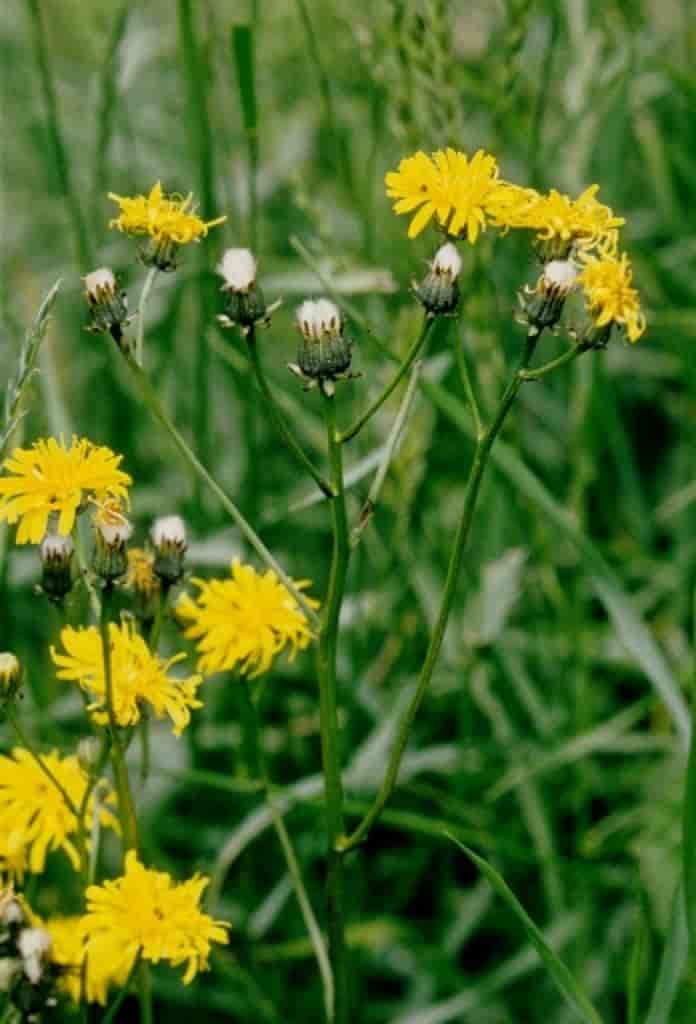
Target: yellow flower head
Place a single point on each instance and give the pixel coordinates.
(559, 220)
(34, 817)
(49, 478)
(166, 219)
(67, 952)
(611, 298)
(147, 913)
(459, 192)
(244, 621)
(137, 675)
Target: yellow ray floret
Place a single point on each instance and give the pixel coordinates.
(67, 952)
(556, 217)
(164, 218)
(137, 676)
(243, 622)
(147, 913)
(457, 191)
(611, 298)
(34, 816)
(49, 478)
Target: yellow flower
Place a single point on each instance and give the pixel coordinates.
(611, 299)
(147, 913)
(558, 219)
(137, 675)
(244, 621)
(168, 220)
(67, 952)
(34, 817)
(449, 186)
(49, 478)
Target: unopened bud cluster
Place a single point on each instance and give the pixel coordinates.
(27, 977)
(325, 353)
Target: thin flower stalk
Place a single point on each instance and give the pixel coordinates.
(482, 452)
(409, 359)
(144, 296)
(118, 759)
(299, 454)
(326, 670)
(153, 404)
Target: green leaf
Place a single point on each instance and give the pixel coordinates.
(672, 964)
(567, 985)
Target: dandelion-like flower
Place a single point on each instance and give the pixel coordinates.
(142, 582)
(168, 220)
(562, 224)
(49, 479)
(146, 913)
(67, 953)
(457, 191)
(325, 353)
(34, 816)
(611, 298)
(137, 675)
(245, 621)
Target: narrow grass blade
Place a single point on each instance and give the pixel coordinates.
(243, 57)
(28, 356)
(671, 965)
(567, 985)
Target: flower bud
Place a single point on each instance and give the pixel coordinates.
(107, 303)
(543, 304)
(112, 532)
(325, 354)
(143, 584)
(438, 292)
(168, 536)
(56, 565)
(244, 300)
(10, 676)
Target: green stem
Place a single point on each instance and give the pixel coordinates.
(567, 357)
(144, 296)
(478, 466)
(278, 420)
(406, 365)
(326, 666)
(145, 993)
(126, 807)
(26, 742)
(469, 389)
(110, 1014)
(60, 157)
(151, 400)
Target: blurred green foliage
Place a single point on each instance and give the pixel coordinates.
(542, 743)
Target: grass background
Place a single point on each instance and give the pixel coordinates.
(553, 737)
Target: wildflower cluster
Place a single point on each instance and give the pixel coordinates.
(577, 238)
